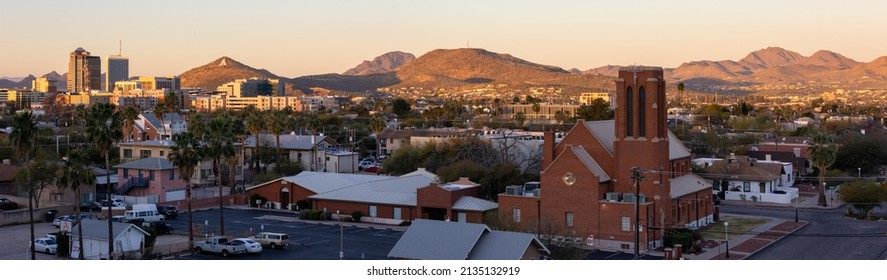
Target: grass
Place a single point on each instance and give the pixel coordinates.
(737, 227)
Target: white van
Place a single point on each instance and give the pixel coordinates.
(143, 212)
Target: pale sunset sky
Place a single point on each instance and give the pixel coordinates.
(297, 38)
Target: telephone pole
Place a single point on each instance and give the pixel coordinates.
(636, 182)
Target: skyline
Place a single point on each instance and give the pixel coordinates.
(294, 39)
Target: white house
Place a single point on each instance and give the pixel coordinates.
(129, 240)
(744, 178)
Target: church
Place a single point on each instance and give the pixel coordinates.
(591, 179)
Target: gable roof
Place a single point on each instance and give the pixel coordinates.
(151, 163)
(504, 245)
(438, 240)
(687, 184)
(321, 182)
(98, 229)
(605, 131)
(470, 203)
(391, 190)
(289, 141)
(589, 163)
(746, 169)
(167, 118)
(422, 171)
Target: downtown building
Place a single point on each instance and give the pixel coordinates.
(117, 68)
(84, 71)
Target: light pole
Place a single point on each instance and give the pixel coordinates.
(341, 238)
(726, 240)
(859, 172)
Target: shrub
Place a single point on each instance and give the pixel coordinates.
(679, 236)
(406, 223)
(356, 215)
(314, 215)
(253, 200)
(345, 219)
(303, 215)
(303, 204)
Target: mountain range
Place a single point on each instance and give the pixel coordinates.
(381, 64)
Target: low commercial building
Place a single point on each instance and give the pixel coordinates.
(439, 240)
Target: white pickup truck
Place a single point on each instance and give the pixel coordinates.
(219, 245)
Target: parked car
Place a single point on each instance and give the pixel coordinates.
(366, 163)
(6, 204)
(103, 203)
(45, 245)
(374, 169)
(90, 206)
(252, 246)
(168, 211)
(219, 245)
(159, 227)
(57, 222)
(273, 240)
(118, 219)
(116, 202)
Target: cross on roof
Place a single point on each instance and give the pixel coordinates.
(634, 72)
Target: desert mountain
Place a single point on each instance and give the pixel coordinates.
(21, 84)
(384, 63)
(770, 57)
(829, 59)
(220, 71)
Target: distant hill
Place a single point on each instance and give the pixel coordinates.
(384, 63)
(61, 80)
(22, 83)
(350, 83)
(220, 71)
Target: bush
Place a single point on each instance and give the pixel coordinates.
(345, 219)
(356, 215)
(303, 215)
(303, 204)
(314, 215)
(253, 200)
(406, 223)
(679, 236)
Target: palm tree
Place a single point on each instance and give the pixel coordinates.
(378, 124)
(823, 153)
(159, 111)
(255, 122)
(104, 127)
(196, 124)
(76, 172)
(219, 140)
(130, 115)
(185, 154)
(23, 138)
(277, 125)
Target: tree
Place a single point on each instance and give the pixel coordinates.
(74, 173)
(596, 111)
(866, 152)
(130, 115)
(277, 125)
(378, 124)
(104, 128)
(400, 107)
(403, 161)
(159, 111)
(42, 171)
(823, 153)
(185, 154)
(681, 88)
(520, 118)
(219, 140)
(24, 138)
(864, 196)
(536, 109)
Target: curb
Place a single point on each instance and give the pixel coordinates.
(805, 223)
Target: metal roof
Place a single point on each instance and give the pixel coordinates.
(391, 190)
(167, 118)
(288, 141)
(504, 245)
(98, 229)
(470, 203)
(151, 163)
(687, 184)
(591, 164)
(321, 182)
(438, 240)
(422, 171)
(149, 143)
(605, 131)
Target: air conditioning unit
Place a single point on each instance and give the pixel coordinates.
(612, 196)
(642, 198)
(628, 197)
(514, 190)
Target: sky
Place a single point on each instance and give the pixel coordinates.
(297, 38)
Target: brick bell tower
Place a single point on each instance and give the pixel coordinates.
(641, 134)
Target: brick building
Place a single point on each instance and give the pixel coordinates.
(586, 187)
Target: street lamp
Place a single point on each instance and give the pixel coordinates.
(726, 240)
(859, 172)
(341, 238)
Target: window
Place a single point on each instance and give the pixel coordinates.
(172, 174)
(151, 175)
(145, 153)
(373, 211)
(462, 217)
(127, 153)
(642, 112)
(569, 219)
(626, 224)
(746, 187)
(515, 214)
(397, 213)
(161, 153)
(629, 113)
(125, 173)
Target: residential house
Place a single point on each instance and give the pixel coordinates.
(309, 150)
(203, 173)
(154, 178)
(392, 140)
(440, 240)
(128, 239)
(748, 179)
(149, 127)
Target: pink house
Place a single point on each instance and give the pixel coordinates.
(151, 176)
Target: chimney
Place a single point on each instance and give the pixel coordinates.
(669, 253)
(547, 148)
(678, 252)
(313, 139)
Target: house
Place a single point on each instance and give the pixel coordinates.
(793, 150)
(439, 240)
(745, 178)
(129, 240)
(155, 178)
(392, 140)
(135, 150)
(309, 150)
(594, 177)
(149, 127)
(285, 192)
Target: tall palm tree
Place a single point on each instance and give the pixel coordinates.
(277, 125)
(823, 153)
(130, 115)
(185, 154)
(196, 124)
(255, 122)
(378, 124)
(219, 144)
(104, 127)
(24, 138)
(159, 111)
(74, 173)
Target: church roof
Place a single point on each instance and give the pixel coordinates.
(589, 163)
(606, 132)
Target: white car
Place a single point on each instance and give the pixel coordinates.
(366, 163)
(116, 202)
(252, 246)
(45, 245)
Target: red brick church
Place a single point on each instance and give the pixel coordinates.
(586, 189)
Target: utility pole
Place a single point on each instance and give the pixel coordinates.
(636, 182)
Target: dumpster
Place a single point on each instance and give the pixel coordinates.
(50, 215)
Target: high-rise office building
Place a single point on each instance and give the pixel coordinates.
(117, 68)
(84, 71)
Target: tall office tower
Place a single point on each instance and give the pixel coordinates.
(84, 71)
(117, 68)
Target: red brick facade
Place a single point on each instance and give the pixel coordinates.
(580, 208)
(282, 193)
